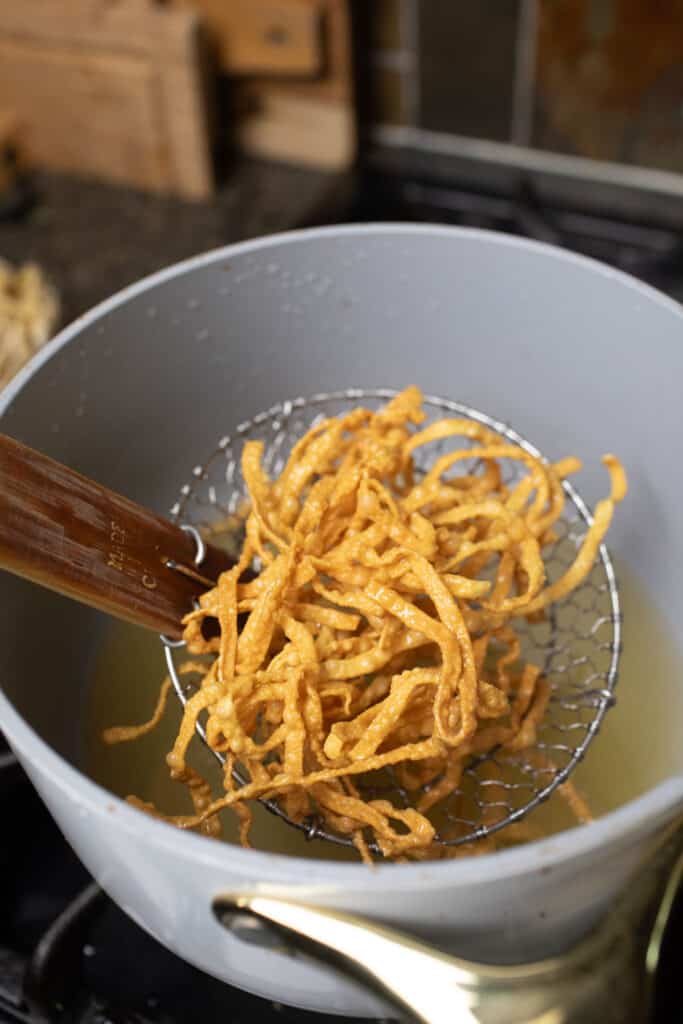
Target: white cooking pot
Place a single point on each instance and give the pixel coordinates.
(578, 357)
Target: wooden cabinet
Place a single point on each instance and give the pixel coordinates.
(309, 121)
(291, 61)
(272, 37)
(117, 88)
(109, 89)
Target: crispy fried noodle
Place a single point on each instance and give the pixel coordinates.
(380, 625)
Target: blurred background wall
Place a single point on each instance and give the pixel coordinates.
(137, 132)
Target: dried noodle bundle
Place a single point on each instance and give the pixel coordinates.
(29, 310)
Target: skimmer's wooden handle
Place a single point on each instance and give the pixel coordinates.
(74, 536)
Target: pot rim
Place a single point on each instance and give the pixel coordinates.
(647, 812)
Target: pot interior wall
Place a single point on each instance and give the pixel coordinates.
(577, 358)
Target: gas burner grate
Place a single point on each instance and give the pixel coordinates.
(653, 253)
(69, 955)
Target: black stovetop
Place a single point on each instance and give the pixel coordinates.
(67, 953)
(650, 251)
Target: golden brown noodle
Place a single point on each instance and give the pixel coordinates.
(379, 627)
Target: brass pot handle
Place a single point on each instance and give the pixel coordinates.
(434, 987)
(672, 887)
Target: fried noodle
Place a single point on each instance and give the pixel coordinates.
(379, 627)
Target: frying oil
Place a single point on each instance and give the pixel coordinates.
(636, 747)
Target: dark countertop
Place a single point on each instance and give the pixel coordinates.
(92, 239)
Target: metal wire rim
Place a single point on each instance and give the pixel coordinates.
(605, 698)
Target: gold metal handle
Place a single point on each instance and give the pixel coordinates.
(674, 885)
(434, 987)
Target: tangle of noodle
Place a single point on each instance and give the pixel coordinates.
(379, 629)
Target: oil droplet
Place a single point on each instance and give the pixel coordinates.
(203, 334)
(273, 268)
(193, 303)
(55, 428)
(80, 410)
(151, 312)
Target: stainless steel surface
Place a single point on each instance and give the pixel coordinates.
(644, 195)
(592, 95)
(578, 652)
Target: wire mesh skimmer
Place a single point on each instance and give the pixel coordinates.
(577, 646)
